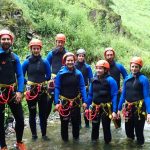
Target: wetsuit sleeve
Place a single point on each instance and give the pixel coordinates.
(90, 73)
(146, 95)
(82, 88)
(90, 95)
(48, 70)
(113, 92)
(57, 89)
(122, 98)
(49, 58)
(24, 68)
(19, 75)
(123, 71)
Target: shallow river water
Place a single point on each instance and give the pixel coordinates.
(119, 141)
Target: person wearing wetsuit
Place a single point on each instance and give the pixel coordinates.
(102, 101)
(68, 86)
(136, 99)
(116, 71)
(86, 72)
(11, 88)
(54, 58)
(38, 72)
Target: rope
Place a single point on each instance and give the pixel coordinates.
(35, 87)
(3, 98)
(65, 109)
(127, 109)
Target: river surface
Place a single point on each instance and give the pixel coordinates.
(119, 140)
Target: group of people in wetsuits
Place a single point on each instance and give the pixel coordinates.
(67, 80)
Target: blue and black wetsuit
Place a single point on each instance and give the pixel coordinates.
(10, 73)
(69, 84)
(88, 75)
(103, 91)
(86, 71)
(38, 71)
(135, 89)
(116, 70)
(54, 58)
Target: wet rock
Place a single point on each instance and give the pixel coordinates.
(102, 16)
(97, 14)
(92, 14)
(105, 2)
(30, 34)
(11, 17)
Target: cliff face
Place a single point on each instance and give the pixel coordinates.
(106, 15)
(92, 25)
(12, 17)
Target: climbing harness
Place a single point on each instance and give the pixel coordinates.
(7, 93)
(33, 90)
(127, 109)
(51, 83)
(94, 110)
(67, 105)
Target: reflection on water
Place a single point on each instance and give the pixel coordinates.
(119, 141)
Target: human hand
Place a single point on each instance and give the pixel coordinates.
(51, 84)
(84, 105)
(148, 118)
(118, 114)
(18, 97)
(56, 107)
(114, 116)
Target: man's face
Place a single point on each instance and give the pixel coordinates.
(135, 68)
(109, 56)
(6, 42)
(60, 44)
(81, 57)
(35, 50)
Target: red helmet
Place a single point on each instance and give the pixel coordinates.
(7, 32)
(60, 37)
(103, 63)
(109, 49)
(35, 42)
(66, 55)
(137, 60)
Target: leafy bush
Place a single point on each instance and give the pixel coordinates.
(94, 32)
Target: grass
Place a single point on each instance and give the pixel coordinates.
(72, 17)
(135, 15)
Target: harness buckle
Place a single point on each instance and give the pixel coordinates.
(28, 87)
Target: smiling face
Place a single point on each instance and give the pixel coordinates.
(135, 68)
(6, 42)
(70, 62)
(100, 70)
(81, 57)
(36, 50)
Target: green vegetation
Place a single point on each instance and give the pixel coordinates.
(89, 24)
(135, 16)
